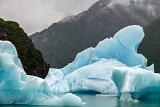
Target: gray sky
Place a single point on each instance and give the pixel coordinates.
(36, 15)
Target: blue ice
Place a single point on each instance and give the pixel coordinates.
(18, 88)
(112, 67)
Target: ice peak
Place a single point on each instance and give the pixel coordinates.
(132, 38)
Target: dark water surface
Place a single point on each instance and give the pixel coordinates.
(93, 100)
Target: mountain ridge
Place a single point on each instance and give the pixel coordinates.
(150, 46)
(61, 42)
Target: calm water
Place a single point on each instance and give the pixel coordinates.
(93, 100)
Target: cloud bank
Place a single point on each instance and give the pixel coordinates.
(36, 15)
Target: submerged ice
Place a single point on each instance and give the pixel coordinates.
(112, 67)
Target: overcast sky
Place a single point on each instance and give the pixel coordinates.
(36, 15)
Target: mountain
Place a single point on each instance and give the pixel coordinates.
(31, 58)
(150, 46)
(61, 42)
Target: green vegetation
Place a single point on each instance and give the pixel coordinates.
(150, 46)
(31, 58)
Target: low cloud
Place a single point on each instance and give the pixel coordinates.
(36, 15)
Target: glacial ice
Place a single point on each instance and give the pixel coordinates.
(18, 88)
(95, 77)
(122, 47)
(112, 67)
(140, 83)
(71, 100)
(95, 65)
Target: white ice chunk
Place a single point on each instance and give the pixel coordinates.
(71, 100)
(126, 97)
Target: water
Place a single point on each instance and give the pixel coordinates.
(100, 100)
(93, 100)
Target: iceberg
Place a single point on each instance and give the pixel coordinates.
(18, 88)
(92, 69)
(113, 67)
